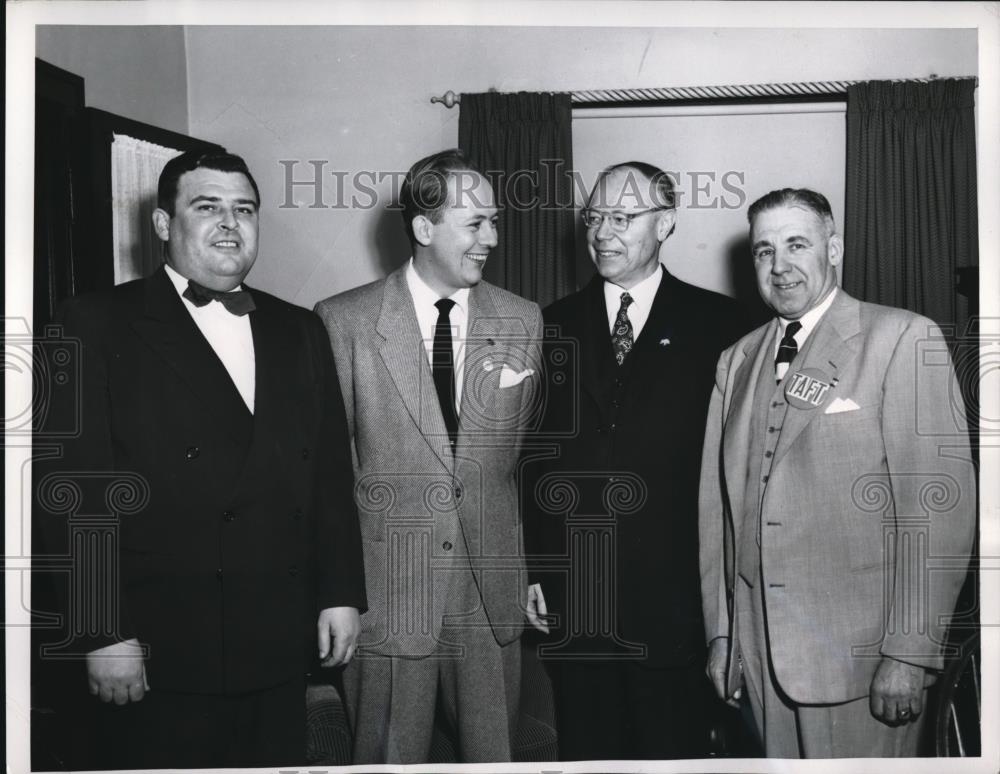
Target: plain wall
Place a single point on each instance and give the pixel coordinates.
(358, 98)
(136, 72)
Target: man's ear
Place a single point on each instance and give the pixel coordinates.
(423, 229)
(835, 250)
(161, 224)
(665, 224)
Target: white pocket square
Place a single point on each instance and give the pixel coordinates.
(840, 405)
(511, 378)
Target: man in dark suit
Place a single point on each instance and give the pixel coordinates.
(615, 507)
(237, 547)
(440, 371)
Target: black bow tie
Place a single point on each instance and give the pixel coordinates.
(238, 302)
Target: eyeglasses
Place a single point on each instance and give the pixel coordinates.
(620, 221)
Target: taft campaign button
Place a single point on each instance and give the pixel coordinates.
(808, 388)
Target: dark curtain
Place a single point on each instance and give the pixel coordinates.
(911, 197)
(524, 143)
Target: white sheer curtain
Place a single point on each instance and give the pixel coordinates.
(135, 170)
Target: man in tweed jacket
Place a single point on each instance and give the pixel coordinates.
(440, 373)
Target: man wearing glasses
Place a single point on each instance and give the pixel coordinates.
(626, 647)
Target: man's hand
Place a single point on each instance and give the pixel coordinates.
(342, 625)
(897, 692)
(718, 653)
(117, 672)
(537, 611)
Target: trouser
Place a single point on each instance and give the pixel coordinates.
(608, 710)
(177, 730)
(392, 700)
(790, 730)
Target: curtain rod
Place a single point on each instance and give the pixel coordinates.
(828, 89)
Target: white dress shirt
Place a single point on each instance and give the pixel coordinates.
(228, 334)
(424, 297)
(808, 320)
(642, 301)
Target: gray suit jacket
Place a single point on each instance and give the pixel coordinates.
(859, 518)
(429, 519)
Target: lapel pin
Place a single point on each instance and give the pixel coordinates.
(664, 342)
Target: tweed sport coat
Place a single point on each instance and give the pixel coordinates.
(429, 518)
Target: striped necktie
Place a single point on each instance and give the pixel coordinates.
(787, 350)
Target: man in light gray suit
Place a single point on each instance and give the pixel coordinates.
(440, 374)
(837, 503)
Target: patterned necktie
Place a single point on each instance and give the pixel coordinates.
(621, 335)
(787, 350)
(238, 302)
(443, 368)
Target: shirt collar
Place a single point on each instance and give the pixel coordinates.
(810, 318)
(642, 294)
(425, 296)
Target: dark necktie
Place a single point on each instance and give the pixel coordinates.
(443, 368)
(621, 335)
(787, 350)
(238, 302)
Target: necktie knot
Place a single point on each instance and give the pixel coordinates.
(444, 307)
(238, 302)
(791, 329)
(626, 300)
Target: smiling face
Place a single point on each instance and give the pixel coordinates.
(795, 255)
(449, 255)
(212, 235)
(627, 257)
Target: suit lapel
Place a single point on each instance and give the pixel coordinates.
(405, 358)
(169, 330)
(830, 347)
(490, 344)
(660, 325)
(745, 372)
(599, 355)
(275, 346)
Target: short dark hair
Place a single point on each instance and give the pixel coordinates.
(660, 181)
(794, 197)
(166, 190)
(425, 187)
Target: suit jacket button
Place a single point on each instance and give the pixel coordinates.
(192, 452)
(228, 515)
(297, 514)
(765, 479)
(769, 454)
(305, 454)
(446, 545)
(293, 570)
(218, 574)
